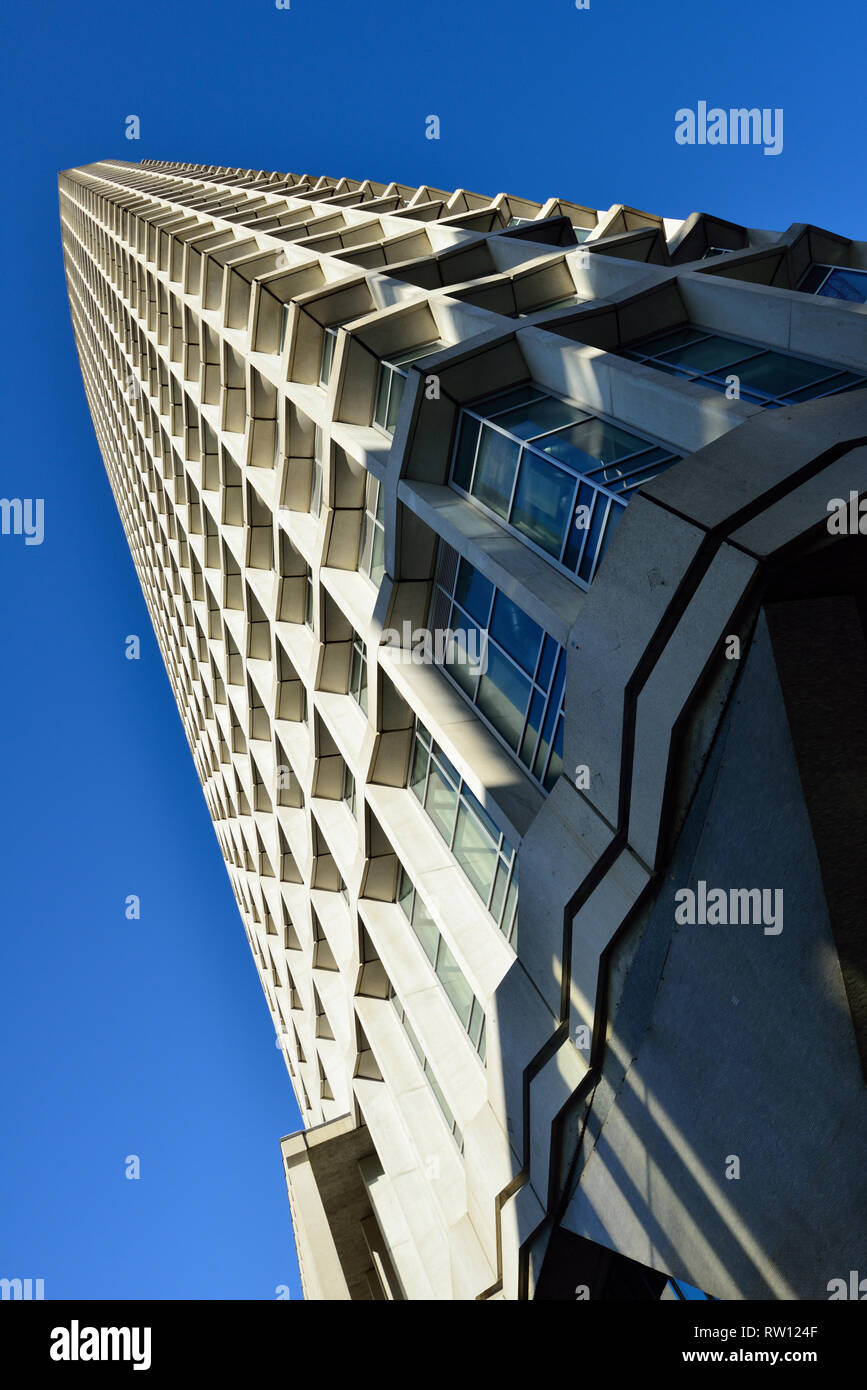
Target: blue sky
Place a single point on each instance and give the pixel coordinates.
(153, 1037)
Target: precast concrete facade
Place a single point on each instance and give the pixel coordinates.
(507, 566)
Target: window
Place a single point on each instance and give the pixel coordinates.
(765, 376)
(518, 685)
(308, 598)
(485, 855)
(371, 557)
(551, 472)
(316, 476)
(329, 342)
(392, 380)
(348, 793)
(836, 282)
(446, 968)
(358, 674)
(428, 1071)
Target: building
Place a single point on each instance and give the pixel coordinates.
(506, 563)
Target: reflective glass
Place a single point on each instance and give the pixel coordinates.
(495, 471)
(584, 447)
(502, 697)
(710, 355)
(473, 592)
(441, 803)
(465, 453)
(454, 984)
(540, 417)
(776, 374)
(474, 852)
(515, 631)
(543, 503)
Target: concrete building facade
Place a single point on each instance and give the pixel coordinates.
(507, 562)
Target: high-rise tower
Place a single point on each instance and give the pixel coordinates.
(505, 561)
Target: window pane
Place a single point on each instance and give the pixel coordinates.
(377, 559)
(426, 931)
(473, 592)
(419, 770)
(539, 417)
(404, 891)
(397, 387)
(846, 284)
(664, 342)
(468, 639)
(495, 471)
(587, 445)
(465, 453)
(441, 804)
(454, 984)
(502, 697)
(775, 374)
(710, 355)
(474, 852)
(813, 279)
(543, 503)
(379, 414)
(491, 406)
(520, 636)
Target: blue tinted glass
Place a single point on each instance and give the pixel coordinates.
(466, 452)
(534, 724)
(495, 471)
(813, 279)
(506, 400)
(586, 498)
(464, 672)
(543, 415)
(710, 355)
(474, 592)
(663, 342)
(846, 284)
(479, 810)
(543, 502)
(516, 632)
(840, 382)
(546, 664)
(555, 766)
(503, 696)
(597, 521)
(587, 445)
(614, 517)
(776, 374)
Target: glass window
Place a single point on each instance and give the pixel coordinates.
(766, 377)
(537, 454)
(496, 465)
(836, 282)
(358, 673)
(371, 558)
(391, 382)
(510, 691)
(329, 340)
(448, 972)
(316, 475)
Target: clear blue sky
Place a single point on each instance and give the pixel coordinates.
(153, 1037)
